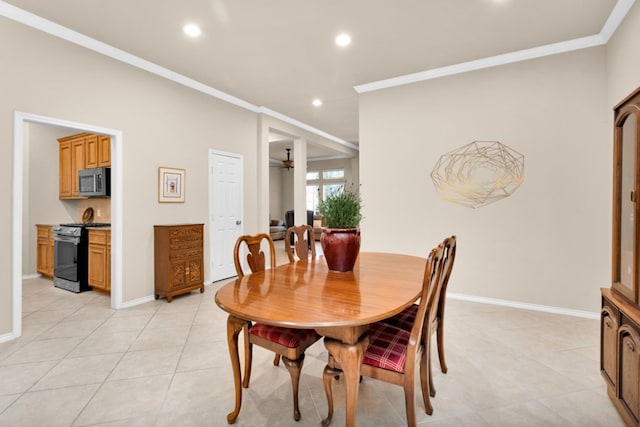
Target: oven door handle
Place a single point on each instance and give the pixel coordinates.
(65, 239)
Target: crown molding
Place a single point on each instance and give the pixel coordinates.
(618, 13)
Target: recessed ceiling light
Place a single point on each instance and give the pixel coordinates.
(192, 30)
(343, 39)
(317, 102)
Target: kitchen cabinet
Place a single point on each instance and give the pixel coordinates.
(100, 259)
(97, 151)
(620, 313)
(77, 152)
(179, 259)
(44, 256)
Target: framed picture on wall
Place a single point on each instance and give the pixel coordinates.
(170, 185)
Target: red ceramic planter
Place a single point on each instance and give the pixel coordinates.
(340, 247)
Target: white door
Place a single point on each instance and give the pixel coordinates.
(225, 211)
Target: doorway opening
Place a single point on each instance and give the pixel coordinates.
(20, 121)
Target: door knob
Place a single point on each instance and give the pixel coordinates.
(238, 222)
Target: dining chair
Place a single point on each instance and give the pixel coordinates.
(393, 352)
(405, 318)
(301, 246)
(288, 343)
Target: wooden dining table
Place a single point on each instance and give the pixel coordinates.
(338, 305)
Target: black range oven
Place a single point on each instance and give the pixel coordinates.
(71, 256)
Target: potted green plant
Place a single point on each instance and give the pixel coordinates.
(340, 239)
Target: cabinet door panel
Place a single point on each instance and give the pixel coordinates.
(91, 151)
(77, 162)
(104, 151)
(629, 375)
(64, 174)
(609, 336)
(195, 271)
(178, 274)
(97, 266)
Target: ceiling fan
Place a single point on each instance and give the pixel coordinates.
(288, 163)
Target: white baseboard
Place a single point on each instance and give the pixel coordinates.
(525, 306)
(138, 301)
(7, 337)
(31, 276)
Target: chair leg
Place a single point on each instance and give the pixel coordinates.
(276, 360)
(410, 400)
(440, 334)
(329, 373)
(425, 381)
(248, 357)
(432, 388)
(294, 367)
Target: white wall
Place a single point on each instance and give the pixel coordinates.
(549, 243)
(275, 193)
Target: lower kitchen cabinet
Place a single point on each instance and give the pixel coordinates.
(100, 259)
(44, 257)
(179, 259)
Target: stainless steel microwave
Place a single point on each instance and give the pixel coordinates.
(95, 182)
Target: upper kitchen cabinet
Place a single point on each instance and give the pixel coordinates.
(97, 151)
(77, 152)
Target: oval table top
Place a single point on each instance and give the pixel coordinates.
(306, 294)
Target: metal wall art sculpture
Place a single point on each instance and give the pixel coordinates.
(478, 173)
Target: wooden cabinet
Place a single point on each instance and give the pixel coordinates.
(97, 151)
(100, 259)
(44, 257)
(76, 152)
(179, 259)
(620, 314)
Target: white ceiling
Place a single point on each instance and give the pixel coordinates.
(280, 54)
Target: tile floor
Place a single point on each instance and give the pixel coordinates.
(80, 363)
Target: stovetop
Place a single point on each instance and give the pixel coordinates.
(88, 224)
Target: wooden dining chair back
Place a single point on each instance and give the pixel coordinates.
(438, 321)
(288, 343)
(394, 352)
(255, 253)
(303, 243)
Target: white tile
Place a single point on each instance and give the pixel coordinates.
(20, 378)
(37, 351)
(531, 413)
(125, 399)
(158, 338)
(79, 371)
(105, 342)
(145, 363)
(48, 408)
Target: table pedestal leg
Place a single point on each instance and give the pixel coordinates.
(349, 358)
(234, 327)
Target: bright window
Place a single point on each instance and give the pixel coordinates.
(313, 197)
(333, 174)
(321, 183)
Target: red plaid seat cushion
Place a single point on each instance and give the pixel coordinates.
(287, 337)
(404, 319)
(387, 347)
